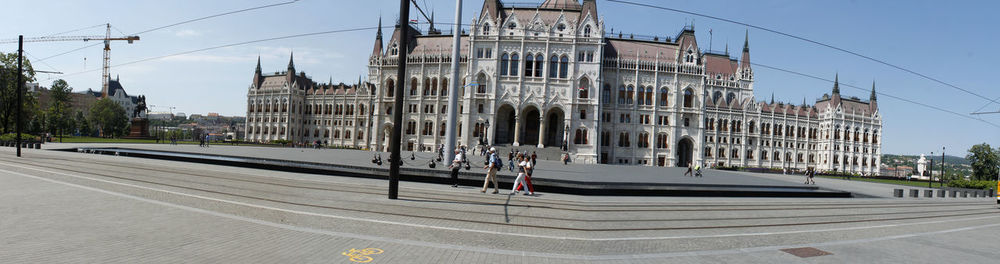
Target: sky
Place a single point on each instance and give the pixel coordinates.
(951, 43)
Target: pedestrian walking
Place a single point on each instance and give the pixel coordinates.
(523, 163)
(456, 164)
(491, 173)
(534, 158)
(565, 159)
(809, 177)
(528, 170)
(689, 172)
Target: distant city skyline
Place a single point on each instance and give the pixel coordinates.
(933, 39)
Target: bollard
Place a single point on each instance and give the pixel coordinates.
(38, 145)
(940, 193)
(965, 194)
(914, 193)
(897, 193)
(928, 193)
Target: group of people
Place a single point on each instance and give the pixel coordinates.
(525, 167)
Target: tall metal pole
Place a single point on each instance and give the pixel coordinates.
(941, 179)
(397, 114)
(20, 90)
(449, 143)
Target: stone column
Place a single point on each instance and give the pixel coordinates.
(517, 130)
(541, 131)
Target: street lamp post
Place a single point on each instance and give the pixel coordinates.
(930, 174)
(941, 179)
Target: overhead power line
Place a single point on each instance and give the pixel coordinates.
(813, 42)
(165, 26)
(863, 89)
(234, 44)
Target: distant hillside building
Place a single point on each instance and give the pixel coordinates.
(551, 76)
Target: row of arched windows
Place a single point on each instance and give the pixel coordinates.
(533, 65)
(486, 28)
(644, 96)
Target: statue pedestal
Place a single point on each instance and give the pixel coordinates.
(139, 129)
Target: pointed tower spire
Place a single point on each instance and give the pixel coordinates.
(772, 98)
(747, 71)
(377, 49)
(431, 29)
(803, 101)
(836, 84)
(291, 62)
(873, 104)
(258, 71)
(746, 41)
(873, 91)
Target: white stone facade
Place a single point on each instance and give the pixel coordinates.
(550, 76)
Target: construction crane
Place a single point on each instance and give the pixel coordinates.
(107, 49)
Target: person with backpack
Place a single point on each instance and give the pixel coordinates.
(491, 173)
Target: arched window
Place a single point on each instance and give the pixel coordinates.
(715, 96)
(641, 96)
(434, 86)
(777, 156)
(563, 66)
(630, 95)
(529, 65)
(730, 97)
(643, 140)
(586, 31)
(689, 58)
(539, 62)
(394, 50)
(413, 86)
(444, 86)
(390, 88)
(661, 141)
(580, 137)
(513, 64)
(623, 140)
(621, 94)
(347, 134)
(427, 87)
(663, 97)
(688, 98)
(584, 88)
(504, 62)
(482, 83)
(649, 95)
(606, 94)
(553, 66)
(486, 29)
(512, 26)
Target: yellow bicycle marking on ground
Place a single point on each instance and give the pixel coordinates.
(361, 256)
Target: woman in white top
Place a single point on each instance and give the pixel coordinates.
(522, 166)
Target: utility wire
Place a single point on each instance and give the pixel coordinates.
(879, 93)
(859, 88)
(46, 63)
(813, 42)
(216, 15)
(166, 26)
(75, 30)
(233, 44)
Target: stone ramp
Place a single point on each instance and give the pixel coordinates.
(550, 176)
(546, 153)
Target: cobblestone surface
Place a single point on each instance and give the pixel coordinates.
(67, 207)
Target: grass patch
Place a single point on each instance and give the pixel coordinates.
(886, 181)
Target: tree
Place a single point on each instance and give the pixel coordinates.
(984, 161)
(83, 125)
(8, 88)
(109, 118)
(59, 114)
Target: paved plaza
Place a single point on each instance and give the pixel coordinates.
(62, 207)
(545, 170)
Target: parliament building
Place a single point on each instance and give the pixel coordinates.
(551, 76)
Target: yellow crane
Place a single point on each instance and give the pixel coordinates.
(107, 49)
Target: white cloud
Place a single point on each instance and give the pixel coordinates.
(187, 33)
